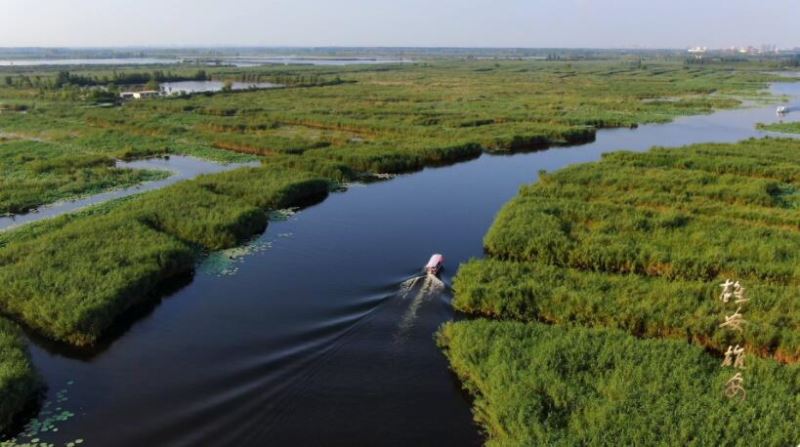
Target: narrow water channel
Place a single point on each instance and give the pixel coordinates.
(307, 337)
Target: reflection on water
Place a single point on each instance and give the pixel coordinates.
(300, 346)
(181, 167)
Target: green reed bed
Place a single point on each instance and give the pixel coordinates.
(611, 272)
(537, 384)
(71, 278)
(717, 215)
(626, 239)
(784, 127)
(643, 306)
(33, 173)
(382, 119)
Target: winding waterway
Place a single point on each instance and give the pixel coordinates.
(309, 335)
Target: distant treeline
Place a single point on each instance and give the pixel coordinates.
(288, 79)
(769, 61)
(65, 78)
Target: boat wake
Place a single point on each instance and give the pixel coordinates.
(426, 286)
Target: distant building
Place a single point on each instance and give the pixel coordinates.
(769, 48)
(140, 95)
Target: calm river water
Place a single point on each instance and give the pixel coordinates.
(307, 336)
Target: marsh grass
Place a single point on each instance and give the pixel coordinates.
(638, 241)
(609, 274)
(783, 127)
(538, 384)
(386, 119)
(36, 173)
(72, 277)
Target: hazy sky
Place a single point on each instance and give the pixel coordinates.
(520, 23)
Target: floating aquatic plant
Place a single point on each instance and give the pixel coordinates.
(47, 421)
(282, 215)
(225, 262)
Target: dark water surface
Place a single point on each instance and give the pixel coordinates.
(304, 338)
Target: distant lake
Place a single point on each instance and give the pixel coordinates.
(211, 86)
(111, 61)
(235, 61)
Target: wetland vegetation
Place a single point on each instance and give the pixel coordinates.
(382, 118)
(605, 278)
(36, 172)
(785, 127)
(70, 278)
(564, 385)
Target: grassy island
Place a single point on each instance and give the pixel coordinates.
(786, 127)
(602, 282)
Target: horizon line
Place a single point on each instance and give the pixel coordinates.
(398, 47)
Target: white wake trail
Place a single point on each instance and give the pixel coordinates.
(431, 285)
